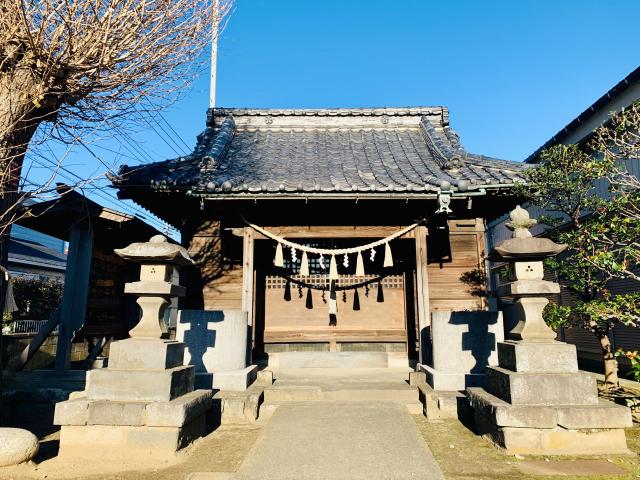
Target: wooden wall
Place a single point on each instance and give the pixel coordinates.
(447, 291)
(291, 321)
(218, 255)
(218, 276)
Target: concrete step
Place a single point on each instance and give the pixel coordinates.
(304, 393)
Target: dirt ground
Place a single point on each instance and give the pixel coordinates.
(220, 451)
(460, 453)
(463, 456)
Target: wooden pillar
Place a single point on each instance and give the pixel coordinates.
(247, 273)
(422, 292)
(248, 286)
(73, 307)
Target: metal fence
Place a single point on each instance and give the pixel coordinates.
(27, 326)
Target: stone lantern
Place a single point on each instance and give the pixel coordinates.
(526, 287)
(536, 401)
(158, 259)
(144, 404)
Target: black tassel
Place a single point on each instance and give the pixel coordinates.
(356, 300)
(344, 296)
(309, 303)
(380, 298)
(300, 291)
(287, 291)
(333, 320)
(366, 290)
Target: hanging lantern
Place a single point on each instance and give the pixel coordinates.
(304, 265)
(278, 261)
(309, 302)
(359, 265)
(287, 291)
(388, 258)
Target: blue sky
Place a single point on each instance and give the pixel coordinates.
(511, 72)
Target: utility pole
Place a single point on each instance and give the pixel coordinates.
(214, 53)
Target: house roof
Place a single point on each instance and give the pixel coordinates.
(248, 153)
(603, 104)
(57, 217)
(27, 252)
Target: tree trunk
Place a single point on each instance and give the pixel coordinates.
(610, 363)
(19, 119)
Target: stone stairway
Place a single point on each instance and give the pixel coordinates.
(342, 385)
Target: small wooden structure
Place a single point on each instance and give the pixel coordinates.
(330, 179)
(93, 305)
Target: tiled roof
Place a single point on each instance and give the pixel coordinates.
(316, 152)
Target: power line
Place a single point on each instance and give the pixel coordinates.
(162, 137)
(188, 148)
(106, 195)
(158, 113)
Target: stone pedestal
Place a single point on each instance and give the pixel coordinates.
(463, 344)
(142, 404)
(536, 401)
(217, 346)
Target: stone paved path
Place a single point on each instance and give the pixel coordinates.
(340, 440)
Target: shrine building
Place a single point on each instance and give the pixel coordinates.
(334, 230)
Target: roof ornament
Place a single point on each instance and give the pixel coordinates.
(444, 200)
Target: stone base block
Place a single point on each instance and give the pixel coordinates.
(451, 381)
(537, 356)
(236, 380)
(417, 378)
(238, 407)
(264, 378)
(140, 385)
(442, 404)
(603, 415)
(175, 413)
(555, 430)
(530, 388)
(141, 354)
(132, 442)
(491, 412)
(559, 441)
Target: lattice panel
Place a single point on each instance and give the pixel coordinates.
(392, 281)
